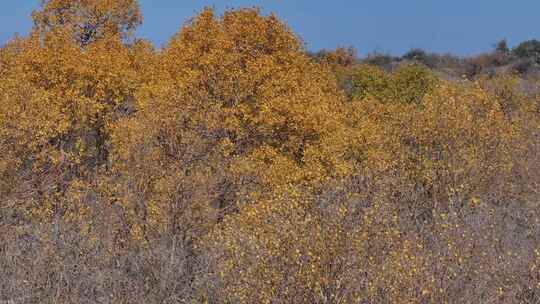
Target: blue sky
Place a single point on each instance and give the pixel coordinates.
(462, 27)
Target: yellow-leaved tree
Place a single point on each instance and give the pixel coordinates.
(61, 88)
(235, 111)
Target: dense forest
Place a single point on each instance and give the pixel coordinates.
(232, 165)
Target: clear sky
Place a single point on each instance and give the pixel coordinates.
(462, 27)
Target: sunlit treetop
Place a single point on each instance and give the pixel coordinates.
(88, 20)
(252, 73)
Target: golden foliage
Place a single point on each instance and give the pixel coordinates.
(230, 167)
(88, 20)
